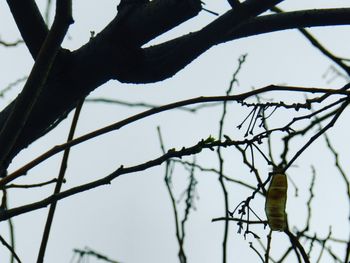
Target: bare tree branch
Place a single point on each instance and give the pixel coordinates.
(172, 153)
(30, 24)
(339, 61)
(8, 246)
(89, 252)
(25, 102)
(182, 51)
(27, 186)
(108, 56)
(153, 111)
(59, 182)
(10, 44)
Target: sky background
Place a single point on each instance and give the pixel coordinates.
(131, 220)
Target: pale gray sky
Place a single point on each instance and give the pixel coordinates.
(131, 220)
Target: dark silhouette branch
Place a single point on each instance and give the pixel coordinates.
(221, 159)
(253, 222)
(217, 172)
(234, 3)
(144, 104)
(337, 60)
(256, 252)
(268, 247)
(322, 243)
(75, 74)
(27, 186)
(8, 246)
(295, 242)
(167, 179)
(344, 176)
(146, 21)
(120, 124)
(116, 52)
(19, 115)
(316, 121)
(10, 44)
(119, 52)
(318, 134)
(59, 182)
(165, 60)
(93, 254)
(172, 153)
(30, 23)
(11, 229)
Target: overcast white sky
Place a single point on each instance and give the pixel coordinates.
(131, 220)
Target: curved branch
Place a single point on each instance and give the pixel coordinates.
(203, 144)
(193, 45)
(179, 52)
(291, 20)
(113, 55)
(10, 44)
(150, 112)
(197, 148)
(337, 60)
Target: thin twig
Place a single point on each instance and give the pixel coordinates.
(322, 131)
(12, 238)
(346, 182)
(12, 231)
(167, 180)
(147, 105)
(212, 170)
(11, 85)
(106, 180)
(90, 252)
(115, 126)
(319, 46)
(10, 44)
(58, 186)
(310, 125)
(241, 60)
(253, 222)
(252, 168)
(256, 251)
(172, 153)
(322, 242)
(8, 246)
(268, 248)
(27, 186)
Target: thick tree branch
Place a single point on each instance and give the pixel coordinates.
(30, 24)
(179, 52)
(193, 45)
(25, 102)
(142, 23)
(115, 54)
